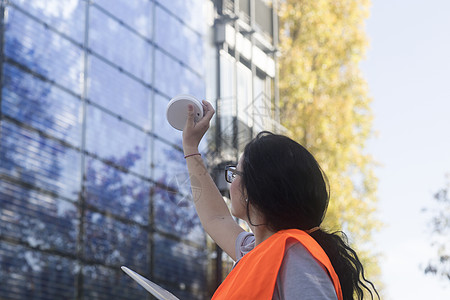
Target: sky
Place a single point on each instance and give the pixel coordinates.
(408, 71)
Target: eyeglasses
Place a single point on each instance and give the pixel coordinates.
(230, 173)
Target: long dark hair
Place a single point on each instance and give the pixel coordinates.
(286, 184)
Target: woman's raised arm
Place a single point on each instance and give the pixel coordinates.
(211, 208)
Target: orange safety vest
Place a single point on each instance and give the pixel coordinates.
(255, 275)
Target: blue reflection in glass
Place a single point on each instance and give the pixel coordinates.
(116, 192)
(136, 14)
(167, 162)
(174, 207)
(173, 79)
(172, 265)
(175, 213)
(32, 105)
(65, 16)
(119, 93)
(35, 46)
(38, 161)
(32, 274)
(116, 141)
(41, 105)
(100, 282)
(119, 45)
(181, 39)
(190, 11)
(112, 242)
(37, 219)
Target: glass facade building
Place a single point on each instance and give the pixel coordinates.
(92, 176)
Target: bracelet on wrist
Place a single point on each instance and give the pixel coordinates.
(189, 155)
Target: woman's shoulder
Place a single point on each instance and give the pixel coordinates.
(301, 274)
(245, 242)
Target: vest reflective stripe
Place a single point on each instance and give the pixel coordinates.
(255, 275)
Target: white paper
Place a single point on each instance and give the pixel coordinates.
(152, 287)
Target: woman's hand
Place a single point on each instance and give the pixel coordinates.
(194, 132)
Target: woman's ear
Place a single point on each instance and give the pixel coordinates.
(243, 191)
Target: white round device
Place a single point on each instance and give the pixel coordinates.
(177, 110)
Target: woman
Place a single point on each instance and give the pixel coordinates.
(279, 189)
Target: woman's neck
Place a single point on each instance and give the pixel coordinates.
(261, 233)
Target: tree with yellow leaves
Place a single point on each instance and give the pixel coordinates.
(325, 105)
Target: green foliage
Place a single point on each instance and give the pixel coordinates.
(326, 107)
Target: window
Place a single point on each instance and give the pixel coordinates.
(134, 53)
(181, 38)
(29, 100)
(40, 161)
(137, 14)
(87, 159)
(112, 191)
(127, 147)
(173, 78)
(119, 93)
(35, 46)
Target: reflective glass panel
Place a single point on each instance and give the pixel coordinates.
(136, 14)
(173, 79)
(38, 161)
(181, 39)
(227, 86)
(35, 46)
(169, 166)
(112, 242)
(119, 93)
(262, 104)
(41, 105)
(32, 274)
(116, 141)
(175, 214)
(100, 282)
(172, 265)
(65, 16)
(189, 11)
(37, 219)
(113, 191)
(227, 135)
(119, 45)
(244, 94)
